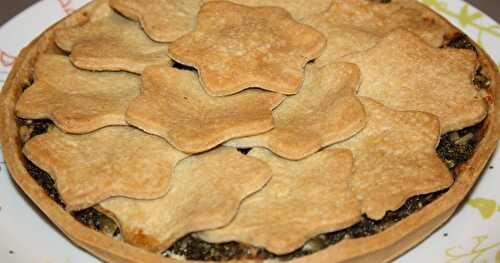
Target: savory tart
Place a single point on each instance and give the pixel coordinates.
(249, 131)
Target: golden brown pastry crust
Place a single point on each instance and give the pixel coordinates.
(381, 247)
(128, 163)
(96, 104)
(325, 111)
(396, 151)
(299, 9)
(110, 42)
(172, 101)
(296, 204)
(205, 193)
(415, 76)
(239, 60)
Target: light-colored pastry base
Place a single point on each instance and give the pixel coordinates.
(377, 248)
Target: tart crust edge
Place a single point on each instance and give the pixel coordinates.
(380, 247)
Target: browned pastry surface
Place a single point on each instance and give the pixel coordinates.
(357, 25)
(78, 101)
(325, 111)
(396, 152)
(108, 41)
(302, 200)
(206, 192)
(113, 161)
(299, 9)
(382, 246)
(235, 47)
(415, 76)
(174, 105)
(163, 20)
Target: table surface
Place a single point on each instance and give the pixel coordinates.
(12, 7)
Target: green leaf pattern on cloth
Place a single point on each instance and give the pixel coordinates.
(470, 20)
(485, 248)
(487, 207)
(476, 254)
(466, 18)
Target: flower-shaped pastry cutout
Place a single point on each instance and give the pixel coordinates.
(78, 101)
(395, 158)
(236, 47)
(162, 20)
(173, 105)
(299, 9)
(206, 193)
(325, 111)
(113, 161)
(303, 199)
(109, 41)
(415, 76)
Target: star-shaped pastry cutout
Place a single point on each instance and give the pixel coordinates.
(206, 193)
(78, 101)
(174, 105)
(109, 41)
(303, 199)
(236, 47)
(342, 40)
(380, 18)
(162, 20)
(356, 25)
(113, 161)
(415, 76)
(299, 9)
(395, 158)
(325, 111)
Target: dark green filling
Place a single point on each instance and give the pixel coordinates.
(453, 153)
(460, 41)
(193, 248)
(36, 127)
(196, 249)
(90, 217)
(454, 149)
(480, 80)
(244, 150)
(45, 181)
(182, 67)
(97, 221)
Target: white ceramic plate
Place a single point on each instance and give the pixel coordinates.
(472, 235)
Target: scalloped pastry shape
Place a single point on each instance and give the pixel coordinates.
(162, 20)
(77, 101)
(113, 161)
(235, 47)
(174, 106)
(325, 111)
(109, 41)
(297, 8)
(303, 199)
(418, 77)
(395, 158)
(206, 193)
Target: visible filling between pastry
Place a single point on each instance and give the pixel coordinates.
(455, 148)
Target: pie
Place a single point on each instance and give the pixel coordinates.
(250, 131)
